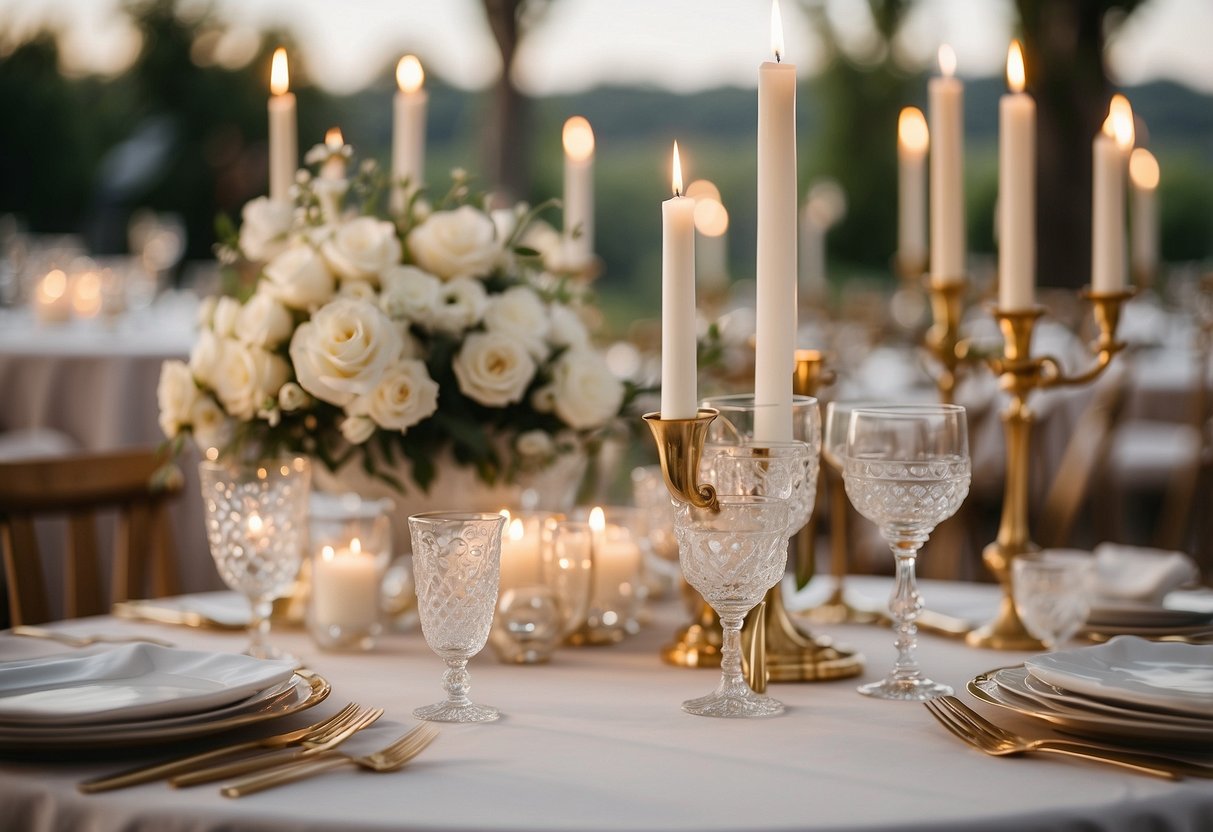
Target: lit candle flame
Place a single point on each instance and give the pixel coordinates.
(333, 139)
(677, 172)
(326, 552)
(912, 129)
(517, 530)
(1016, 76)
(947, 60)
(409, 74)
(255, 524)
(280, 79)
(356, 546)
(578, 138)
(54, 285)
(597, 519)
(776, 31)
(505, 512)
(1143, 169)
(1119, 123)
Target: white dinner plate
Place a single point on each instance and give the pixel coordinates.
(306, 690)
(1141, 730)
(134, 681)
(1019, 681)
(1135, 672)
(1176, 611)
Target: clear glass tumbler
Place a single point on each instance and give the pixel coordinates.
(1052, 591)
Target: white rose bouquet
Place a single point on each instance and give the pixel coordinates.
(365, 333)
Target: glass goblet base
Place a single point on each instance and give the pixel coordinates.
(733, 701)
(905, 690)
(446, 712)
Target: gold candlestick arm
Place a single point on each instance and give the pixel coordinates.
(679, 449)
(943, 339)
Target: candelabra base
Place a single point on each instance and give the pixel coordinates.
(1005, 631)
(796, 656)
(698, 643)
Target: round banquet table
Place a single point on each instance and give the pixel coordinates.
(596, 741)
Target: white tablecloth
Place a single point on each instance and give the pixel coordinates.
(596, 741)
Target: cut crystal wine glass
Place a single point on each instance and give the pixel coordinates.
(456, 561)
(784, 470)
(256, 525)
(732, 557)
(907, 470)
(1052, 592)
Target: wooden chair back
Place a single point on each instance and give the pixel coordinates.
(79, 486)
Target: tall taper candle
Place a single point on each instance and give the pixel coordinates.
(578, 140)
(284, 140)
(408, 130)
(946, 95)
(775, 331)
(1143, 212)
(913, 139)
(679, 385)
(1109, 153)
(1016, 190)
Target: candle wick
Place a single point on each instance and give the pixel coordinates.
(778, 59)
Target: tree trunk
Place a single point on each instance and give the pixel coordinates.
(507, 139)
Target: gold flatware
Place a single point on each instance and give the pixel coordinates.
(73, 640)
(984, 735)
(160, 614)
(324, 741)
(391, 758)
(157, 771)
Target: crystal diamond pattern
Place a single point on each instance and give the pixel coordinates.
(457, 576)
(918, 494)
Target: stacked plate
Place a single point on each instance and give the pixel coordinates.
(1128, 689)
(1177, 614)
(141, 694)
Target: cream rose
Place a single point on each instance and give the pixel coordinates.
(405, 396)
(567, 328)
(461, 305)
(246, 377)
(587, 395)
(519, 313)
(362, 248)
(209, 424)
(299, 278)
(534, 444)
(459, 243)
(292, 397)
(358, 290)
(263, 321)
(206, 311)
(409, 293)
(493, 369)
(263, 232)
(225, 318)
(204, 357)
(342, 352)
(357, 429)
(175, 395)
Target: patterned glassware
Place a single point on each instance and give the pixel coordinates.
(1052, 591)
(732, 557)
(456, 561)
(256, 524)
(907, 469)
(786, 470)
(735, 424)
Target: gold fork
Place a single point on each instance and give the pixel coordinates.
(317, 744)
(391, 758)
(984, 735)
(72, 640)
(146, 774)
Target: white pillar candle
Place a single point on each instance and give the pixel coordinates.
(775, 331)
(345, 588)
(283, 138)
(578, 140)
(913, 139)
(52, 304)
(616, 561)
(946, 94)
(1109, 153)
(678, 363)
(520, 553)
(1016, 190)
(408, 131)
(1143, 211)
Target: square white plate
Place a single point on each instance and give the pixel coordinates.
(134, 681)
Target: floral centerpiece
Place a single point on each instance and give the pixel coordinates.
(446, 328)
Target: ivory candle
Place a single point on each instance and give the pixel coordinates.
(616, 561)
(578, 140)
(913, 139)
(775, 329)
(52, 304)
(333, 168)
(679, 399)
(1109, 152)
(1143, 211)
(520, 553)
(408, 131)
(946, 94)
(345, 588)
(283, 137)
(1016, 190)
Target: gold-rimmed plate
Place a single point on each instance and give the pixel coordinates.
(985, 687)
(308, 689)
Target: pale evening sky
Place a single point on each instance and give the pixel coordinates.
(682, 45)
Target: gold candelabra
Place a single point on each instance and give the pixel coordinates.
(943, 339)
(1019, 373)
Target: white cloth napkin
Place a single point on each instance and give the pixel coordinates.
(1134, 573)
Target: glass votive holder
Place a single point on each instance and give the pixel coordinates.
(351, 547)
(618, 581)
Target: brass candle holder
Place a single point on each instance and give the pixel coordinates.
(1019, 374)
(943, 339)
